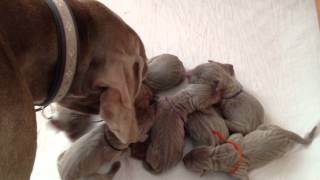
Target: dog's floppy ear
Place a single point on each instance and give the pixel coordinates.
(119, 85)
(118, 111)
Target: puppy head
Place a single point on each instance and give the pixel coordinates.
(164, 72)
(227, 67)
(212, 73)
(203, 95)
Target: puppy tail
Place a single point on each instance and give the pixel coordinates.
(307, 140)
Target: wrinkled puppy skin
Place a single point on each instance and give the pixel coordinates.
(201, 124)
(73, 123)
(242, 111)
(164, 72)
(267, 143)
(167, 134)
(270, 142)
(84, 158)
(221, 158)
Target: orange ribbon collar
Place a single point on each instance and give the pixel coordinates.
(236, 146)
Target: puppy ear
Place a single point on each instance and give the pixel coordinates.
(210, 61)
(229, 68)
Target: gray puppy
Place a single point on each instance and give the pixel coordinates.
(164, 72)
(242, 154)
(167, 134)
(242, 111)
(89, 153)
(200, 125)
(73, 123)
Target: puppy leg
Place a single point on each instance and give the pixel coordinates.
(18, 133)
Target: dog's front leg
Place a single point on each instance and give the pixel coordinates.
(18, 132)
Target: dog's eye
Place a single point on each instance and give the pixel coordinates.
(99, 90)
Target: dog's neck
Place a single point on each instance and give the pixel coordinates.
(32, 36)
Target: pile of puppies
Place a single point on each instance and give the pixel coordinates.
(212, 106)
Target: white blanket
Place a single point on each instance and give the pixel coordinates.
(275, 49)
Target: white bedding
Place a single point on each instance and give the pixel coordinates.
(275, 49)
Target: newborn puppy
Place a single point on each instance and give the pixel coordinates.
(242, 111)
(164, 72)
(270, 142)
(167, 134)
(87, 155)
(200, 125)
(73, 123)
(256, 149)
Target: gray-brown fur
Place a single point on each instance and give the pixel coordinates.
(200, 125)
(86, 156)
(145, 108)
(108, 176)
(73, 123)
(270, 142)
(110, 70)
(267, 143)
(243, 112)
(164, 72)
(167, 134)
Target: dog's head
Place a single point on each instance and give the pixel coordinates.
(110, 71)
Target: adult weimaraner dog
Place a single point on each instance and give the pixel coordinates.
(110, 66)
